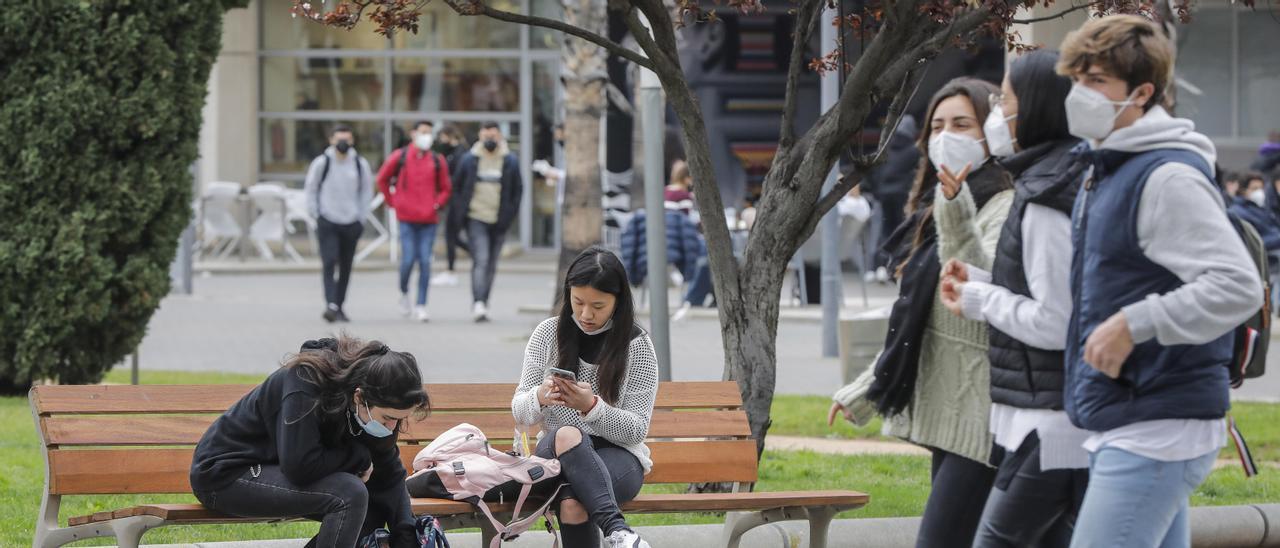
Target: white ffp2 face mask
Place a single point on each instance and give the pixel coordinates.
(996, 128)
(424, 141)
(1258, 197)
(954, 151)
(1090, 114)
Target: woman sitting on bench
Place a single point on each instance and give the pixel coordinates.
(590, 377)
(318, 440)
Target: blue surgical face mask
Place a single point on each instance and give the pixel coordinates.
(373, 427)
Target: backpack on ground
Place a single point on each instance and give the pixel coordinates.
(460, 465)
(1253, 337)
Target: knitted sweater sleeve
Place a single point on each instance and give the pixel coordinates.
(537, 357)
(626, 422)
(966, 234)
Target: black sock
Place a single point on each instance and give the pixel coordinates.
(581, 535)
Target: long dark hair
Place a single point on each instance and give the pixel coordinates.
(1042, 97)
(599, 269)
(386, 378)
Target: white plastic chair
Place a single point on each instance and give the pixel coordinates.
(220, 230)
(296, 211)
(269, 223)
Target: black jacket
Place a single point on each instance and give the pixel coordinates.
(1048, 174)
(465, 187)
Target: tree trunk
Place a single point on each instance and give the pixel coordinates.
(584, 84)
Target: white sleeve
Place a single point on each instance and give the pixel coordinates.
(311, 188)
(1183, 226)
(1039, 321)
(537, 357)
(628, 422)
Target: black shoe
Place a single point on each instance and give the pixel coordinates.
(342, 317)
(330, 315)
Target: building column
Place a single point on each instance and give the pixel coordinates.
(229, 133)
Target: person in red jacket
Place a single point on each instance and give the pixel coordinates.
(415, 182)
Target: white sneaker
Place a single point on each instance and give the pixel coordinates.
(677, 279)
(480, 312)
(445, 278)
(682, 312)
(625, 539)
(405, 308)
(420, 314)
(882, 275)
(869, 276)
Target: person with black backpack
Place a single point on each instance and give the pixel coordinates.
(1161, 282)
(415, 181)
(339, 192)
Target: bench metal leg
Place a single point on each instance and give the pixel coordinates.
(737, 524)
(127, 531)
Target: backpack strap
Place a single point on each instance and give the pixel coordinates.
(404, 152)
(518, 525)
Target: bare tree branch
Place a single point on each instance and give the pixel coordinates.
(662, 63)
(1059, 15)
(896, 108)
(477, 8)
(662, 25)
(807, 17)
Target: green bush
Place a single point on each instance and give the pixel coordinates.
(100, 109)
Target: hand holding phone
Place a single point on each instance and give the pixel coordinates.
(563, 373)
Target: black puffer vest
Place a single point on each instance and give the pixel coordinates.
(1047, 174)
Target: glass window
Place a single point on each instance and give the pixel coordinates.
(1259, 73)
(322, 83)
(442, 28)
(544, 38)
(289, 146)
(1204, 62)
(280, 30)
(479, 85)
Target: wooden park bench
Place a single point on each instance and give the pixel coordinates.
(107, 440)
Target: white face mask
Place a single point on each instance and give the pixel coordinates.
(423, 141)
(1258, 197)
(607, 325)
(954, 150)
(996, 128)
(1090, 114)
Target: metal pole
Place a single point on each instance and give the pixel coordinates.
(832, 280)
(651, 110)
(133, 376)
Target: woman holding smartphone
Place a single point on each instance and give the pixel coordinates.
(595, 410)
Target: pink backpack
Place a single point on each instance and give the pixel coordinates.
(460, 465)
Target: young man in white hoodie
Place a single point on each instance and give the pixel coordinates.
(1160, 280)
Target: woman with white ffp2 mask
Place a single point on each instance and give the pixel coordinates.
(932, 380)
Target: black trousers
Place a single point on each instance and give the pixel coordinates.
(337, 253)
(1029, 506)
(958, 494)
(346, 509)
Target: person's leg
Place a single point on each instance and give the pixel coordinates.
(349, 237)
(1026, 503)
(496, 239)
(327, 237)
(450, 239)
(959, 492)
(701, 286)
(1179, 532)
(478, 235)
(1135, 501)
(408, 253)
(390, 508)
(340, 500)
(426, 241)
(588, 503)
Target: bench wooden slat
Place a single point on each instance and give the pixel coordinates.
(113, 399)
(119, 430)
(124, 471)
(657, 503)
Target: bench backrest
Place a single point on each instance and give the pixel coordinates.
(112, 439)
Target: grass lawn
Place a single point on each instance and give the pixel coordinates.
(898, 484)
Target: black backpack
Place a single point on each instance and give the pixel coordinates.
(1252, 338)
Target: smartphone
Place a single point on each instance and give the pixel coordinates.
(564, 374)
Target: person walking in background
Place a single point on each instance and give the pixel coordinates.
(1159, 281)
(415, 181)
(932, 381)
(1249, 203)
(1026, 301)
(488, 197)
(453, 146)
(890, 183)
(339, 193)
(1268, 154)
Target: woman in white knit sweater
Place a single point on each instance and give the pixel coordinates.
(946, 405)
(596, 424)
